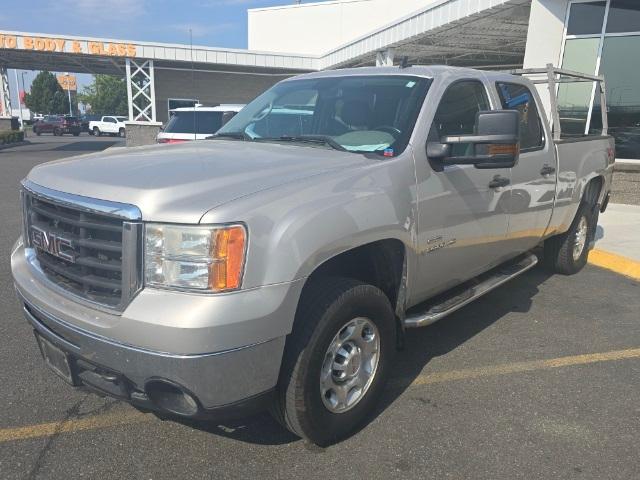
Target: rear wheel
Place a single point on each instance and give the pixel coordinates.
(336, 359)
(96, 131)
(57, 132)
(567, 253)
(121, 132)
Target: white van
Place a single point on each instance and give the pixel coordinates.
(196, 123)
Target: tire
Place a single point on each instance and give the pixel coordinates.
(328, 307)
(96, 132)
(121, 133)
(57, 132)
(38, 132)
(567, 253)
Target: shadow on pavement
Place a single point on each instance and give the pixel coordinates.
(422, 345)
(93, 146)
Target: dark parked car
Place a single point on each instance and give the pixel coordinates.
(84, 122)
(58, 125)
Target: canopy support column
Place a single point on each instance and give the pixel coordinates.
(142, 127)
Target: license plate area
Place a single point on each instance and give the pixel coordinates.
(56, 359)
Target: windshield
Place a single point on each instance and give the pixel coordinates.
(194, 122)
(357, 113)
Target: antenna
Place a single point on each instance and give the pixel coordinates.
(404, 63)
(193, 85)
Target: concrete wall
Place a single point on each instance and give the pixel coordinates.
(210, 88)
(544, 38)
(317, 28)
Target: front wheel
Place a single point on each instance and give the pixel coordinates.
(567, 253)
(121, 133)
(57, 132)
(96, 131)
(336, 359)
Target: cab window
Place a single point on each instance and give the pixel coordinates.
(514, 96)
(457, 113)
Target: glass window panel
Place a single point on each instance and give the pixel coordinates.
(586, 18)
(624, 16)
(456, 114)
(518, 97)
(580, 55)
(623, 95)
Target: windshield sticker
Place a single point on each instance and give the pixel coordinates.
(410, 84)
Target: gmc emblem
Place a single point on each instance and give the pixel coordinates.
(53, 244)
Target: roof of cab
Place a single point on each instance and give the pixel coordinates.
(427, 71)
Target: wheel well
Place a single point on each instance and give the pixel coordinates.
(379, 263)
(592, 190)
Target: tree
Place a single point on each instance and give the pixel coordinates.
(107, 95)
(46, 95)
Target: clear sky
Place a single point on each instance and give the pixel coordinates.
(220, 23)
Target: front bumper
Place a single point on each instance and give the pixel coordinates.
(190, 341)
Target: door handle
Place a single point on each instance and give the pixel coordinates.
(499, 181)
(547, 170)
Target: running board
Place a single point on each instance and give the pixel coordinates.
(485, 283)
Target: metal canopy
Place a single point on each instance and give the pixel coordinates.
(175, 56)
(467, 33)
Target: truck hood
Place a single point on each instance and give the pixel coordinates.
(179, 183)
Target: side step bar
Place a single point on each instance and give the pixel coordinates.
(485, 283)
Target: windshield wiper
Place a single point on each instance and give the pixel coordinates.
(317, 139)
(234, 135)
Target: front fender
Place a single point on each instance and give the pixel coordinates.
(296, 227)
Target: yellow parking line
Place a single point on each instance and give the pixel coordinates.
(73, 425)
(129, 417)
(471, 373)
(615, 263)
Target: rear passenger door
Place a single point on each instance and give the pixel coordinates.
(47, 124)
(461, 233)
(533, 179)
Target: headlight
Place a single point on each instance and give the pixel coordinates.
(194, 257)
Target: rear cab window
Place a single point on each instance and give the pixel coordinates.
(202, 122)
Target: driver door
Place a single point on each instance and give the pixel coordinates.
(461, 233)
(110, 125)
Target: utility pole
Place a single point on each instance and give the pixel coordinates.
(15, 71)
(69, 93)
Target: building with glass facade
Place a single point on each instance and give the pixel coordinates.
(595, 37)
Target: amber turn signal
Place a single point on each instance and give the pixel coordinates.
(226, 270)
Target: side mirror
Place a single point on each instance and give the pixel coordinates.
(494, 145)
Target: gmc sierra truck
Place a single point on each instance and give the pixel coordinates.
(281, 263)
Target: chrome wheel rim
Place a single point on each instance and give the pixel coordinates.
(350, 365)
(580, 238)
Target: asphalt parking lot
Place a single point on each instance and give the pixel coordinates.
(538, 379)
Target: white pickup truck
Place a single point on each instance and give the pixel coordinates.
(109, 124)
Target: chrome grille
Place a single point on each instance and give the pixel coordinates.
(87, 252)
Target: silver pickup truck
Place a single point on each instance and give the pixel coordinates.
(282, 263)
